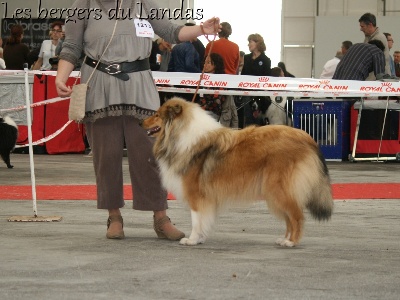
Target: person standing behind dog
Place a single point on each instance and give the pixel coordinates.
(227, 49)
(258, 64)
(116, 102)
(15, 52)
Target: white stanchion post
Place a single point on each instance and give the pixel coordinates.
(35, 217)
(30, 140)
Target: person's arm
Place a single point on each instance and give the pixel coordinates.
(38, 64)
(2, 64)
(71, 51)
(64, 70)
(209, 27)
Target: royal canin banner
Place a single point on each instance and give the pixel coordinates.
(263, 85)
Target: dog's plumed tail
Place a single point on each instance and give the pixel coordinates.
(320, 202)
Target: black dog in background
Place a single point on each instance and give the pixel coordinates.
(8, 138)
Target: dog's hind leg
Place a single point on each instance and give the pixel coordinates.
(6, 158)
(294, 225)
(202, 222)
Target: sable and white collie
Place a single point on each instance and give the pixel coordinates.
(8, 138)
(208, 166)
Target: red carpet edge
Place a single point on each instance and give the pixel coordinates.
(88, 192)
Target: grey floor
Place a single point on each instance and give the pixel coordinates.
(356, 255)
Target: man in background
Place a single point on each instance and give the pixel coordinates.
(226, 48)
(330, 66)
(372, 32)
(361, 60)
(389, 39)
(396, 60)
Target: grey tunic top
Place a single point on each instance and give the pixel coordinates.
(108, 95)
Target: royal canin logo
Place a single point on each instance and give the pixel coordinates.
(275, 94)
(263, 79)
(388, 84)
(324, 82)
(205, 77)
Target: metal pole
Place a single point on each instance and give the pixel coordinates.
(357, 127)
(29, 120)
(383, 127)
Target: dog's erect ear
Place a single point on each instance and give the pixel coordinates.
(174, 110)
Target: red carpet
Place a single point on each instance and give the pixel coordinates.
(88, 192)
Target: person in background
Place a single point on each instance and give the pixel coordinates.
(396, 61)
(220, 107)
(330, 66)
(282, 65)
(116, 102)
(160, 55)
(390, 42)
(15, 52)
(198, 45)
(48, 48)
(360, 60)
(184, 58)
(240, 100)
(241, 62)
(2, 62)
(212, 103)
(277, 72)
(346, 46)
(258, 64)
(372, 32)
(226, 48)
(159, 60)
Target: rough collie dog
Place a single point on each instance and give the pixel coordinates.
(8, 138)
(208, 166)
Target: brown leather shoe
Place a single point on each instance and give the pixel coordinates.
(172, 235)
(119, 235)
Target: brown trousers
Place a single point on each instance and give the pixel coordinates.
(106, 138)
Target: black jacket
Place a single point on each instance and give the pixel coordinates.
(261, 66)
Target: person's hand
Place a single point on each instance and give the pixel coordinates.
(211, 26)
(62, 89)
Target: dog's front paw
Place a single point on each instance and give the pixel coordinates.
(284, 242)
(10, 166)
(189, 242)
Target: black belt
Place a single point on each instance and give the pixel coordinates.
(119, 70)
